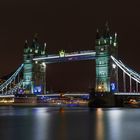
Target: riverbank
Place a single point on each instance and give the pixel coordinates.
(42, 105)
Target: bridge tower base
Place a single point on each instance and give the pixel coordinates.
(105, 100)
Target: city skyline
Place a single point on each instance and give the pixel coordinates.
(70, 26)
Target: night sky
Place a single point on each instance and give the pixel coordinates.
(69, 25)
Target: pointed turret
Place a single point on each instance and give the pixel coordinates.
(26, 44)
(35, 45)
(97, 34)
(107, 30)
(115, 36)
(26, 47)
(35, 40)
(43, 49)
(36, 37)
(115, 39)
(98, 37)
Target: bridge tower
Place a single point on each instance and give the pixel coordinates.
(106, 70)
(39, 68)
(34, 74)
(28, 67)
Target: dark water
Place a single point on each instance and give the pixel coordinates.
(42, 123)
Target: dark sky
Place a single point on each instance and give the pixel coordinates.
(69, 25)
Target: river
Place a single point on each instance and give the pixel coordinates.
(75, 123)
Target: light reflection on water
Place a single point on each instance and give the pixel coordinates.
(115, 119)
(99, 124)
(43, 123)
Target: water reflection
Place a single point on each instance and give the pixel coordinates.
(99, 124)
(49, 124)
(114, 119)
(62, 128)
(13, 111)
(43, 123)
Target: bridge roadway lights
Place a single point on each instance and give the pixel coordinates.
(25, 98)
(105, 99)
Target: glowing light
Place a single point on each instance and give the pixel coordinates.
(4, 96)
(62, 53)
(37, 89)
(81, 54)
(43, 64)
(99, 111)
(7, 100)
(45, 44)
(113, 66)
(102, 49)
(36, 51)
(31, 50)
(126, 93)
(115, 35)
(21, 91)
(99, 87)
(115, 44)
(66, 55)
(113, 86)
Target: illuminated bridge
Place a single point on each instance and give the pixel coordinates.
(64, 57)
(30, 77)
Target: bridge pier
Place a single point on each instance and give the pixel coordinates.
(105, 100)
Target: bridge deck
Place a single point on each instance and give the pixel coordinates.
(127, 93)
(75, 56)
(53, 95)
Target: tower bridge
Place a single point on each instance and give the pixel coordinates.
(30, 77)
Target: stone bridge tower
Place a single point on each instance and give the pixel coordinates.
(34, 73)
(106, 70)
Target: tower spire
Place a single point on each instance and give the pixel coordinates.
(107, 30)
(97, 34)
(26, 44)
(35, 37)
(115, 39)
